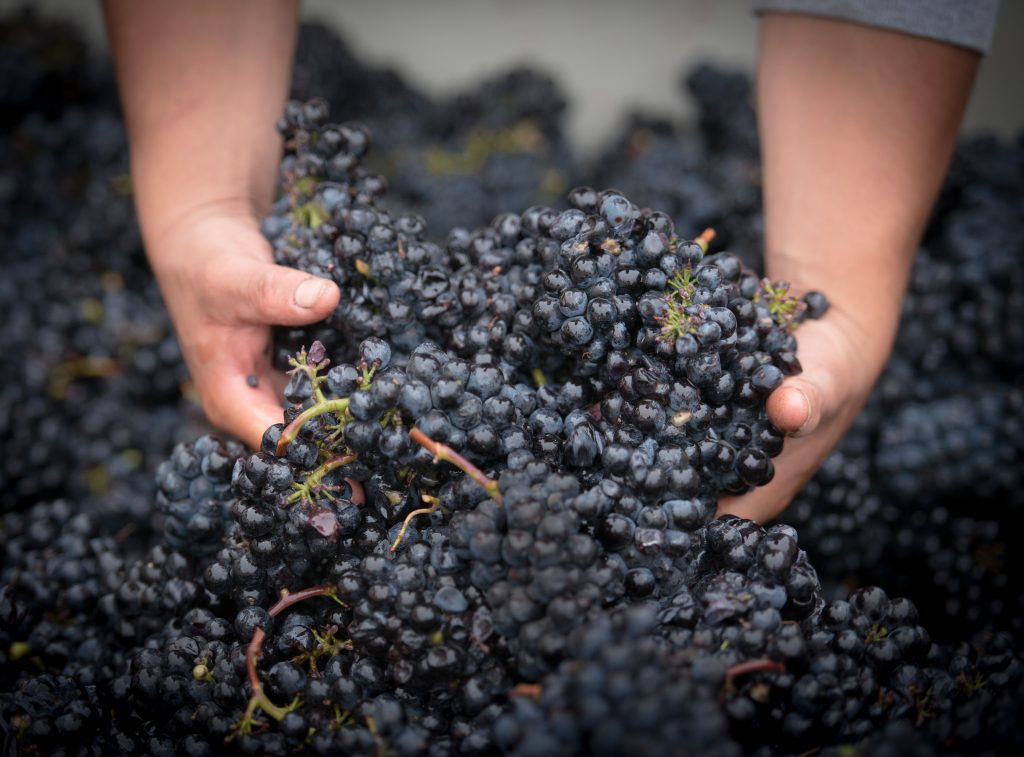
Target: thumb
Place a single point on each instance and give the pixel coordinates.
(833, 371)
(245, 411)
(795, 408)
(264, 293)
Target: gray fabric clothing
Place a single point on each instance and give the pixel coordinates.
(967, 23)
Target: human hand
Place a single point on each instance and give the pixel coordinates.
(200, 96)
(841, 361)
(223, 291)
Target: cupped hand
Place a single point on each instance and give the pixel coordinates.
(814, 409)
(223, 291)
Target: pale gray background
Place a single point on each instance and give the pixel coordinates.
(608, 55)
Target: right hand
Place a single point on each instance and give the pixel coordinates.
(223, 290)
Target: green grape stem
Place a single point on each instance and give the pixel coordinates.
(306, 490)
(291, 431)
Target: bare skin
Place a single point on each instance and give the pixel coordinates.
(202, 85)
(857, 128)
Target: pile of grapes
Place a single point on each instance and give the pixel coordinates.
(486, 521)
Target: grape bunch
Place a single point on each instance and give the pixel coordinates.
(627, 318)
(192, 493)
(624, 690)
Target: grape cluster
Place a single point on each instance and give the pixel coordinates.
(49, 710)
(325, 66)
(701, 177)
(959, 441)
(673, 349)
(272, 546)
(623, 691)
(139, 594)
(193, 493)
(458, 161)
(497, 146)
(55, 567)
(969, 560)
(328, 223)
(537, 566)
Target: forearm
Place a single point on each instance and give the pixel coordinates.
(202, 85)
(857, 127)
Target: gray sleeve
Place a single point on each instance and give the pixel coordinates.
(967, 23)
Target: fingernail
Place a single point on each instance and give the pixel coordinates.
(807, 411)
(309, 291)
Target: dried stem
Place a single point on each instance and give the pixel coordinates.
(435, 503)
(747, 667)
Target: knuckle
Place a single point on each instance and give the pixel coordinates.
(265, 290)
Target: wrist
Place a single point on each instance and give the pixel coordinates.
(202, 85)
(177, 184)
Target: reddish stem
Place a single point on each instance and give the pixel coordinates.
(298, 596)
(531, 690)
(446, 453)
(705, 238)
(251, 655)
(763, 665)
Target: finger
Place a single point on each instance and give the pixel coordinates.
(263, 293)
(795, 407)
(242, 410)
(806, 402)
(749, 506)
